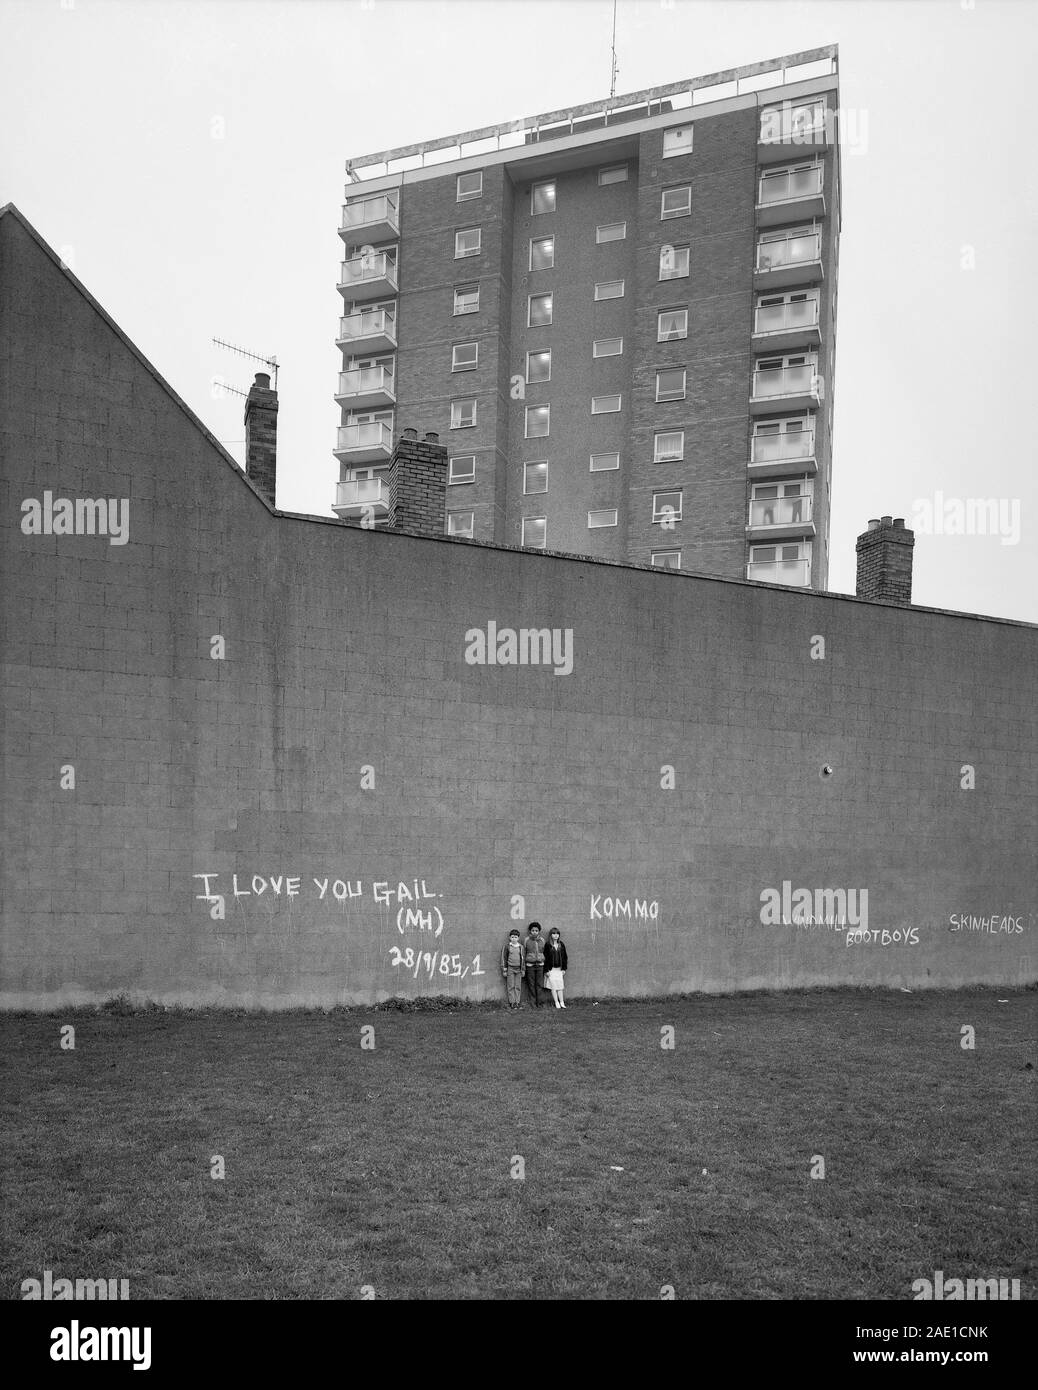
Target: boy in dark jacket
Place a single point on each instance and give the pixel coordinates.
(535, 963)
(513, 963)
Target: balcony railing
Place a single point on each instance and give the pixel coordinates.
(368, 213)
(780, 511)
(780, 571)
(371, 439)
(801, 380)
(780, 318)
(798, 248)
(359, 493)
(371, 271)
(368, 324)
(369, 383)
(365, 379)
(787, 185)
(790, 447)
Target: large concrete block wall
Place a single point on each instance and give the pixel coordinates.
(343, 741)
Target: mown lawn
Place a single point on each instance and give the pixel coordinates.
(392, 1168)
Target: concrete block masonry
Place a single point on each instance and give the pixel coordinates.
(332, 804)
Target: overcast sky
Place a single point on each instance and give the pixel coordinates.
(187, 160)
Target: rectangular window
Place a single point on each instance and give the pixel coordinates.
(616, 173)
(605, 517)
(466, 299)
(539, 310)
(460, 524)
(534, 531)
(607, 347)
(535, 477)
(668, 446)
(464, 356)
(542, 197)
(677, 140)
(666, 506)
(604, 463)
(605, 405)
(542, 252)
(538, 366)
(467, 242)
(463, 414)
(769, 554)
(665, 559)
(676, 202)
(538, 421)
(611, 231)
(671, 325)
(673, 262)
(670, 384)
(470, 185)
(609, 289)
(462, 469)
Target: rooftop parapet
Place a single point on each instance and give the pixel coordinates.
(695, 91)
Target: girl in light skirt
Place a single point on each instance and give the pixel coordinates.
(555, 967)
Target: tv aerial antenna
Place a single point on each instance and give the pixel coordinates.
(614, 69)
(271, 362)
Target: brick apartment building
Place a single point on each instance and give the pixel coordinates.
(620, 318)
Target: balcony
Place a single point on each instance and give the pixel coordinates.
(370, 219)
(786, 388)
(779, 455)
(371, 276)
(791, 131)
(785, 327)
(373, 330)
(790, 195)
(371, 442)
(795, 572)
(364, 497)
(781, 518)
(363, 387)
(793, 259)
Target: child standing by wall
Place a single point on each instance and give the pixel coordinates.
(534, 964)
(555, 967)
(513, 963)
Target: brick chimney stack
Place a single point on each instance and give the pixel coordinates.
(885, 561)
(418, 484)
(261, 436)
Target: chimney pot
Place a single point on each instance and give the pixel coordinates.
(885, 561)
(432, 437)
(418, 485)
(261, 430)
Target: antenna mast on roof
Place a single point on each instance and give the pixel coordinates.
(244, 352)
(615, 69)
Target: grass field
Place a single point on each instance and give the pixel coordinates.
(392, 1167)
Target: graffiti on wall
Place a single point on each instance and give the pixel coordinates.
(414, 901)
